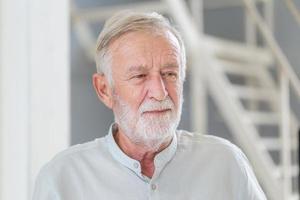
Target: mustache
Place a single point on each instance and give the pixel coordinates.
(151, 105)
(147, 105)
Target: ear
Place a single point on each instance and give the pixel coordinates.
(103, 89)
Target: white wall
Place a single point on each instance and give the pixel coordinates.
(34, 90)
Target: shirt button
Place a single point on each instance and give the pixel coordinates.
(153, 186)
(135, 165)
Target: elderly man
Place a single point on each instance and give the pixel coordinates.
(141, 69)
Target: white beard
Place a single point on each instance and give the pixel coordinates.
(148, 130)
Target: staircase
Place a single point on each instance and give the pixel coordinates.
(246, 92)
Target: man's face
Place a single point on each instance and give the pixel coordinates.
(147, 90)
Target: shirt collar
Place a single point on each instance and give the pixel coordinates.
(160, 160)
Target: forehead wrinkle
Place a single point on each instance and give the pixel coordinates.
(171, 58)
(137, 68)
(171, 65)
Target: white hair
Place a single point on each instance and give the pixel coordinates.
(129, 21)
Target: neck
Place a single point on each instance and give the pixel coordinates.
(139, 152)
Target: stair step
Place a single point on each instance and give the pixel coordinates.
(292, 173)
(244, 69)
(262, 118)
(102, 13)
(274, 144)
(217, 4)
(255, 93)
(237, 51)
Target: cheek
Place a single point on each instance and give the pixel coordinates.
(175, 92)
(134, 96)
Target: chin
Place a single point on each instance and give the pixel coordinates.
(153, 139)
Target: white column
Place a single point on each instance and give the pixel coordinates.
(286, 159)
(34, 90)
(14, 66)
(198, 88)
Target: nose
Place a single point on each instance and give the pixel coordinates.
(156, 88)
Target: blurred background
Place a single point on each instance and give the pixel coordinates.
(242, 82)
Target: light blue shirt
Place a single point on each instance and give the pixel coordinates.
(192, 167)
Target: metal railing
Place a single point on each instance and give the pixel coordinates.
(284, 64)
(293, 9)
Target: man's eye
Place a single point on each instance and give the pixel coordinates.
(170, 76)
(139, 76)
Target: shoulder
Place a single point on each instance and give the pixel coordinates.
(80, 150)
(222, 157)
(215, 151)
(195, 140)
(74, 156)
(209, 146)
